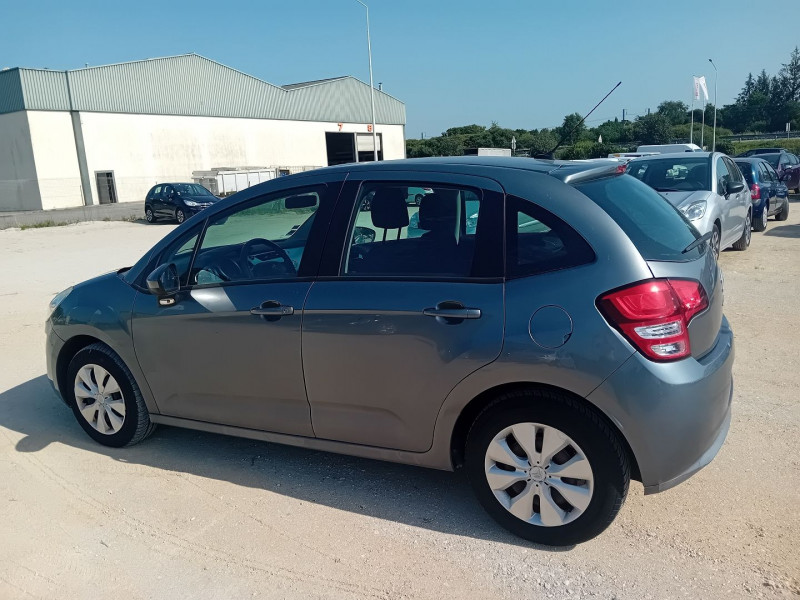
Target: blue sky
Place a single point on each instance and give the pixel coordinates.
(524, 64)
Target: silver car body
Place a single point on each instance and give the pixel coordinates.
(358, 369)
(706, 208)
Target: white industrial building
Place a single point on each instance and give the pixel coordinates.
(107, 134)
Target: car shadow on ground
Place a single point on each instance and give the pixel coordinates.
(435, 500)
(787, 231)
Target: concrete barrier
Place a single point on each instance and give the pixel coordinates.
(125, 211)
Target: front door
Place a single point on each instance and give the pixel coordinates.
(412, 308)
(228, 350)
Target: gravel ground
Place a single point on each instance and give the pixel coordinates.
(189, 514)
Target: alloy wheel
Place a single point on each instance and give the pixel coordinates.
(148, 214)
(715, 242)
(99, 399)
(764, 217)
(539, 474)
(748, 228)
(180, 216)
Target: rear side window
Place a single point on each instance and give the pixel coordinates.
(538, 241)
(657, 229)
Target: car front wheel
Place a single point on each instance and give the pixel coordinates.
(180, 216)
(105, 398)
(744, 242)
(149, 215)
(546, 467)
(783, 214)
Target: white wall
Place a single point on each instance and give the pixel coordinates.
(19, 189)
(56, 159)
(143, 150)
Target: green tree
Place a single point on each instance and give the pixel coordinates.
(570, 130)
(675, 111)
(653, 129)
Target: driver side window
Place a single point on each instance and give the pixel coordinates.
(263, 240)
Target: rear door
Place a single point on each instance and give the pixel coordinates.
(394, 322)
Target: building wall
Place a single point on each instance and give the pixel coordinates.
(19, 188)
(143, 150)
(56, 159)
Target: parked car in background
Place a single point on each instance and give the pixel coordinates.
(787, 165)
(176, 201)
(769, 194)
(757, 151)
(569, 340)
(708, 188)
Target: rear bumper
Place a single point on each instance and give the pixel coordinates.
(675, 416)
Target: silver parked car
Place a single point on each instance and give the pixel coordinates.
(556, 329)
(708, 188)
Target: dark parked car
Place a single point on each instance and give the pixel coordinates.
(769, 194)
(556, 337)
(758, 151)
(177, 201)
(787, 165)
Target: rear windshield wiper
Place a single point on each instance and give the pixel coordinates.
(701, 240)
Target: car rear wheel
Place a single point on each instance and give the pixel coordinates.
(783, 214)
(743, 242)
(180, 216)
(106, 399)
(760, 224)
(417, 199)
(546, 467)
(149, 216)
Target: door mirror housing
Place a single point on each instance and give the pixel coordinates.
(164, 281)
(735, 187)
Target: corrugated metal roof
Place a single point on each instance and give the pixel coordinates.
(292, 86)
(193, 85)
(11, 99)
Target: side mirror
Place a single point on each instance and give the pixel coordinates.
(363, 235)
(164, 282)
(735, 187)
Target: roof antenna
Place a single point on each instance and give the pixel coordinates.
(551, 155)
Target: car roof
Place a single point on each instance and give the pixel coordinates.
(565, 170)
(676, 155)
(750, 159)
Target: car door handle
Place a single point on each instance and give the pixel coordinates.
(272, 308)
(452, 310)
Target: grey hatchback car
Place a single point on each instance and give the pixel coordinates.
(556, 330)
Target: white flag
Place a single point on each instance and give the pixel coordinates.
(600, 139)
(700, 84)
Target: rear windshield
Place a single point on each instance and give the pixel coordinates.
(657, 229)
(747, 170)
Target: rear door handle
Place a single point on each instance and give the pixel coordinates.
(453, 313)
(272, 308)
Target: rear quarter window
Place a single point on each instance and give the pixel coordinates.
(657, 229)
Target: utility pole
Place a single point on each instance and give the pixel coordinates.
(623, 115)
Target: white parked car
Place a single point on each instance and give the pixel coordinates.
(708, 188)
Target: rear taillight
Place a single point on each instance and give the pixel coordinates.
(755, 192)
(654, 316)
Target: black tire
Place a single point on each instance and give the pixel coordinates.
(149, 215)
(784, 212)
(760, 224)
(744, 242)
(716, 240)
(601, 446)
(418, 199)
(180, 216)
(136, 425)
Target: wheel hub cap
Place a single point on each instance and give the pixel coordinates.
(99, 399)
(539, 474)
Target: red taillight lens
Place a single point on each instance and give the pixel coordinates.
(755, 192)
(655, 315)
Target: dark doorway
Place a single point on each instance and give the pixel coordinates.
(106, 189)
(341, 148)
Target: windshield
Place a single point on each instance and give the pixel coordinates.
(191, 189)
(657, 229)
(675, 174)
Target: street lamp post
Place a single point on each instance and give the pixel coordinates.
(371, 87)
(716, 77)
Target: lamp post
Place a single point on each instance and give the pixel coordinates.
(371, 87)
(716, 77)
